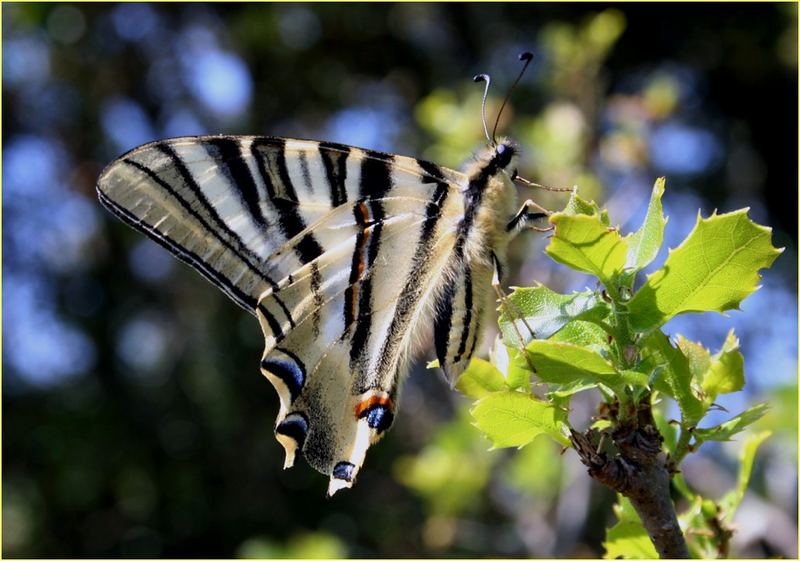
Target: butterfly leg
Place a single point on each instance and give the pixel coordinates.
(528, 212)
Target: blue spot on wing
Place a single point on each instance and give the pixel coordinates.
(379, 417)
(295, 425)
(291, 372)
(344, 470)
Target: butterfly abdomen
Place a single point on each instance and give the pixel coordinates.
(465, 295)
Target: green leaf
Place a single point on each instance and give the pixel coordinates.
(644, 244)
(698, 356)
(713, 269)
(449, 471)
(546, 311)
(730, 502)
(577, 205)
(583, 334)
(515, 419)
(678, 377)
(518, 375)
(732, 426)
(628, 539)
(563, 363)
(562, 395)
(634, 378)
(667, 429)
(726, 373)
(586, 244)
(479, 379)
(695, 523)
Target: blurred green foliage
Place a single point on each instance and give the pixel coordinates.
(451, 471)
(136, 422)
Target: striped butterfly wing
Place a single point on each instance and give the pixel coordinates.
(340, 252)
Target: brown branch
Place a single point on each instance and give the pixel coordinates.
(638, 471)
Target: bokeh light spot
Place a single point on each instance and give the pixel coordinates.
(133, 21)
(221, 81)
(41, 346)
(683, 149)
(26, 60)
(66, 24)
(150, 262)
(126, 123)
(142, 342)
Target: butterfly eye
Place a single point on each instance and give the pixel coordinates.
(502, 155)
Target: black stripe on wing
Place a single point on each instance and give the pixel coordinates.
(247, 256)
(410, 297)
(212, 223)
(376, 182)
(274, 325)
(283, 196)
(227, 153)
(334, 159)
(303, 159)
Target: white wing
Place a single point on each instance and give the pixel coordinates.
(343, 254)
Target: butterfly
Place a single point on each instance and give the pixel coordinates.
(344, 255)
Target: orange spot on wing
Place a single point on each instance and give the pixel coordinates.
(361, 244)
(374, 400)
(364, 211)
(353, 303)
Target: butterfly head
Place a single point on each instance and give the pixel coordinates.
(504, 156)
(498, 157)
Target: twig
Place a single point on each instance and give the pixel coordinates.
(639, 472)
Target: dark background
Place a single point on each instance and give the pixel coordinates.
(136, 422)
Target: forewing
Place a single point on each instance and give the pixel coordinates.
(181, 196)
(227, 205)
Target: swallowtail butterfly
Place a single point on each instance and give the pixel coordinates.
(343, 254)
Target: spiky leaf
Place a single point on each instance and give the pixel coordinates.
(726, 373)
(677, 376)
(644, 244)
(698, 356)
(730, 502)
(713, 269)
(563, 363)
(732, 426)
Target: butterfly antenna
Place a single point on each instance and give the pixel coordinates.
(545, 187)
(527, 57)
(488, 80)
